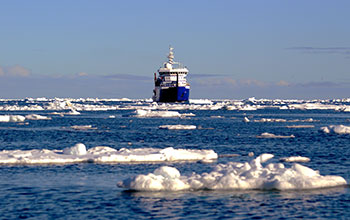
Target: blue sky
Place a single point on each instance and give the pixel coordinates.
(233, 49)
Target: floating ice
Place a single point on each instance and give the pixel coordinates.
(36, 117)
(95, 104)
(217, 116)
(73, 112)
(338, 129)
(300, 126)
(103, 154)
(201, 101)
(295, 159)
(82, 127)
(235, 176)
(78, 149)
(178, 127)
(271, 120)
(245, 119)
(163, 114)
(269, 135)
(12, 118)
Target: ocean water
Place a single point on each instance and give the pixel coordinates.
(90, 191)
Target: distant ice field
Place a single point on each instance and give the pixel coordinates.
(80, 158)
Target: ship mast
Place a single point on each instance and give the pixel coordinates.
(171, 55)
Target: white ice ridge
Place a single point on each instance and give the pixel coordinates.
(102, 154)
(337, 129)
(269, 135)
(235, 176)
(178, 127)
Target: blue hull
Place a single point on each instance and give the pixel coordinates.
(174, 94)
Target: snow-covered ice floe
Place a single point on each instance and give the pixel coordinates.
(102, 154)
(300, 126)
(178, 127)
(235, 176)
(82, 127)
(269, 135)
(21, 118)
(337, 129)
(150, 114)
(12, 118)
(282, 120)
(295, 159)
(201, 101)
(37, 117)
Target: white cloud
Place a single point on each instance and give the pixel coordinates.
(2, 72)
(15, 70)
(283, 83)
(82, 74)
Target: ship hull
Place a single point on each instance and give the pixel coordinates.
(172, 94)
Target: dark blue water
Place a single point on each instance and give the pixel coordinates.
(89, 191)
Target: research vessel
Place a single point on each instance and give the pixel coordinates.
(171, 84)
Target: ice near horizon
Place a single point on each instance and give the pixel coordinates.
(75, 106)
(235, 176)
(103, 154)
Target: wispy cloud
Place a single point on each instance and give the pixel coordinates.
(15, 70)
(323, 84)
(199, 75)
(323, 50)
(126, 77)
(228, 81)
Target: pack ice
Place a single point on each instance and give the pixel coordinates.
(103, 154)
(235, 176)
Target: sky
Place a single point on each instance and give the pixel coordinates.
(233, 49)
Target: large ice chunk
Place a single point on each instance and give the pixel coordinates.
(12, 118)
(235, 176)
(78, 149)
(338, 129)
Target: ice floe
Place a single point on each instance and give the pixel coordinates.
(103, 154)
(12, 118)
(37, 117)
(82, 127)
(300, 126)
(201, 101)
(270, 120)
(178, 127)
(283, 120)
(295, 159)
(21, 118)
(337, 129)
(235, 176)
(150, 114)
(269, 135)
